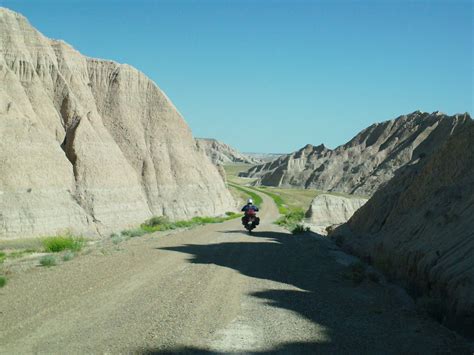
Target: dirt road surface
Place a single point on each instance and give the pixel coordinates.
(213, 289)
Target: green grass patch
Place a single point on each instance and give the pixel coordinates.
(257, 200)
(59, 243)
(161, 223)
(20, 253)
(233, 170)
(299, 228)
(48, 260)
(291, 219)
(3, 281)
(156, 224)
(16, 254)
(281, 204)
(132, 233)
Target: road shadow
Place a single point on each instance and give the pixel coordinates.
(358, 319)
(293, 348)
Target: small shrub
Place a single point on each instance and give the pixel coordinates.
(299, 228)
(48, 260)
(132, 233)
(116, 239)
(2, 257)
(156, 221)
(68, 256)
(207, 220)
(3, 281)
(60, 243)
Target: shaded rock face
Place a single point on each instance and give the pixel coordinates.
(366, 161)
(90, 145)
(419, 228)
(221, 153)
(329, 210)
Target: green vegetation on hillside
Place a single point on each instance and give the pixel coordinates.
(291, 219)
(257, 200)
(232, 173)
(232, 170)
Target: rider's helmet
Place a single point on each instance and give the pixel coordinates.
(249, 201)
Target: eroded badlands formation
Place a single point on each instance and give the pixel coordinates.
(90, 145)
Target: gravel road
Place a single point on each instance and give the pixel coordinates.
(213, 289)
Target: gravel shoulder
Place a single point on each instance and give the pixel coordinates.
(213, 289)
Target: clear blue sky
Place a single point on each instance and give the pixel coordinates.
(271, 76)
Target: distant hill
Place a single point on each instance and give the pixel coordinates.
(221, 153)
(365, 162)
(264, 157)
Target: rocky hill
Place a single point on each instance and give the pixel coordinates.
(221, 153)
(264, 157)
(90, 145)
(366, 161)
(419, 228)
(329, 210)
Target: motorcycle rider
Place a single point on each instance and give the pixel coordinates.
(249, 209)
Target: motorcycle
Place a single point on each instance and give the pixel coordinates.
(250, 220)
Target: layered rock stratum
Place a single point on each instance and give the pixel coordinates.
(419, 228)
(328, 210)
(221, 153)
(90, 145)
(364, 163)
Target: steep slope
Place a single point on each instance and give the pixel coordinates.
(90, 145)
(419, 228)
(366, 161)
(221, 153)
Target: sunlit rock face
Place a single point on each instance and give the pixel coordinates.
(329, 210)
(221, 153)
(90, 145)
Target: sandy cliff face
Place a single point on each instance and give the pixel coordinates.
(365, 162)
(420, 228)
(329, 210)
(221, 153)
(90, 145)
